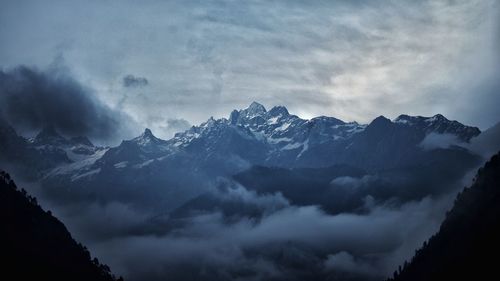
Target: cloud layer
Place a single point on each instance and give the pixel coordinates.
(351, 59)
(287, 244)
(284, 242)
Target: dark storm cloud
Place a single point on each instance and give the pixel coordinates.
(131, 81)
(31, 99)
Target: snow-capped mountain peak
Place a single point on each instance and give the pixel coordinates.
(147, 139)
(255, 136)
(255, 108)
(279, 111)
(407, 119)
(438, 124)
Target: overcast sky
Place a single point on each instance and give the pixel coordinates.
(169, 64)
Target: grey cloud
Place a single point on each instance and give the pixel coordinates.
(131, 81)
(322, 58)
(233, 192)
(167, 127)
(93, 222)
(178, 125)
(487, 143)
(208, 246)
(352, 182)
(31, 99)
(345, 262)
(210, 249)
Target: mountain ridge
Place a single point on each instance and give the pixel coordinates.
(250, 137)
(466, 245)
(37, 246)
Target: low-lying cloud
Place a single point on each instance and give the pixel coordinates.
(436, 141)
(293, 243)
(286, 242)
(487, 143)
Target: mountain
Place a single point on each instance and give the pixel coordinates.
(19, 154)
(255, 136)
(466, 246)
(46, 154)
(74, 148)
(37, 246)
(165, 173)
(144, 171)
(291, 183)
(49, 136)
(277, 138)
(253, 163)
(12, 146)
(342, 188)
(139, 150)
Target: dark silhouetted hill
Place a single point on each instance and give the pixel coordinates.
(468, 242)
(37, 246)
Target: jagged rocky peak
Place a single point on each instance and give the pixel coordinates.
(439, 117)
(379, 125)
(279, 110)
(210, 121)
(407, 119)
(438, 124)
(381, 120)
(328, 120)
(147, 138)
(402, 118)
(48, 131)
(148, 133)
(255, 109)
(233, 118)
(49, 135)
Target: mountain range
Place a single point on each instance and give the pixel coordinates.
(177, 170)
(252, 166)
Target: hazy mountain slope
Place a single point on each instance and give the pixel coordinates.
(467, 245)
(306, 186)
(19, 154)
(37, 246)
(342, 188)
(487, 143)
